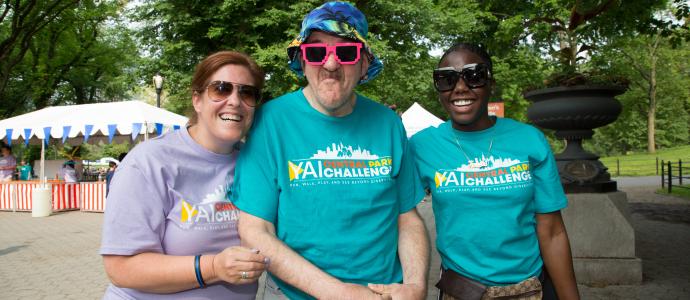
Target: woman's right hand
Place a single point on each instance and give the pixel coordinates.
(239, 265)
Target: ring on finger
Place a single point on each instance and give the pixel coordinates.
(244, 275)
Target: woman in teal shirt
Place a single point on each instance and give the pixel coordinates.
(496, 192)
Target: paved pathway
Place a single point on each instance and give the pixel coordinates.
(57, 257)
(51, 258)
(626, 182)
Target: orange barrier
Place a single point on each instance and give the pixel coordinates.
(93, 196)
(24, 194)
(6, 192)
(87, 196)
(66, 196)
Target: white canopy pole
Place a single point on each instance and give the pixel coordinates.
(43, 160)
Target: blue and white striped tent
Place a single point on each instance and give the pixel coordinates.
(89, 123)
(76, 124)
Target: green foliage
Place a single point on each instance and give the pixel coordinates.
(82, 55)
(513, 72)
(628, 132)
(178, 34)
(88, 51)
(631, 58)
(569, 32)
(98, 151)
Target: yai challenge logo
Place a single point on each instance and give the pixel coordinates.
(340, 164)
(214, 212)
(484, 174)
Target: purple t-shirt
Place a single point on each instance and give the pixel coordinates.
(7, 161)
(169, 196)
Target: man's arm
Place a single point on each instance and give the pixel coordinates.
(413, 249)
(293, 268)
(555, 250)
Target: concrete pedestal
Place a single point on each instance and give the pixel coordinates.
(42, 205)
(602, 239)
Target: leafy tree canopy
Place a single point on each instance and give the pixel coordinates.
(402, 33)
(70, 52)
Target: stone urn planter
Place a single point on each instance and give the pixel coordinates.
(574, 112)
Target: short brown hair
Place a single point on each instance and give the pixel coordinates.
(205, 69)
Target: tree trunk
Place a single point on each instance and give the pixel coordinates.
(651, 118)
(651, 94)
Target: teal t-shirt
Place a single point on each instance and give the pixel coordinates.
(24, 172)
(332, 186)
(485, 206)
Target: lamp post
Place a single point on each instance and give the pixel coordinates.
(158, 83)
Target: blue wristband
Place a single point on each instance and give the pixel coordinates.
(197, 270)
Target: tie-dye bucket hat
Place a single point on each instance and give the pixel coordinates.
(341, 19)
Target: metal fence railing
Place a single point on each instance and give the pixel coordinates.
(643, 166)
(672, 173)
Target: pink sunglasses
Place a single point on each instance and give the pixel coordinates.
(317, 54)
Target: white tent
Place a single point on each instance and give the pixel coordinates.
(76, 124)
(416, 118)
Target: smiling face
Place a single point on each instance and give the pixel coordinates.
(467, 107)
(223, 123)
(331, 85)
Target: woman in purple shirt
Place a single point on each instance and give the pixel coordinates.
(7, 163)
(170, 230)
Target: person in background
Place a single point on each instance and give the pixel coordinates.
(327, 186)
(112, 165)
(497, 206)
(25, 171)
(170, 230)
(109, 175)
(69, 174)
(8, 163)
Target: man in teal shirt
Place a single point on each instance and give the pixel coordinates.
(326, 184)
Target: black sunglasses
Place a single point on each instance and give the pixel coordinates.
(220, 90)
(474, 75)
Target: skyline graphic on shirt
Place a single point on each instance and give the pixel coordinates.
(219, 194)
(341, 151)
(487, 163)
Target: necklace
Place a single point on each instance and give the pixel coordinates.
(474, 164)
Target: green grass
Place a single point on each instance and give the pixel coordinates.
(680, 192)
(644, 164)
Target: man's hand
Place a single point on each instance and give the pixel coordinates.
(397, 291)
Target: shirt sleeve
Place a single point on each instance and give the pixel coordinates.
(134, 216)
(409, 185)
(255, 189)
(548, 194)
(414, 141)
